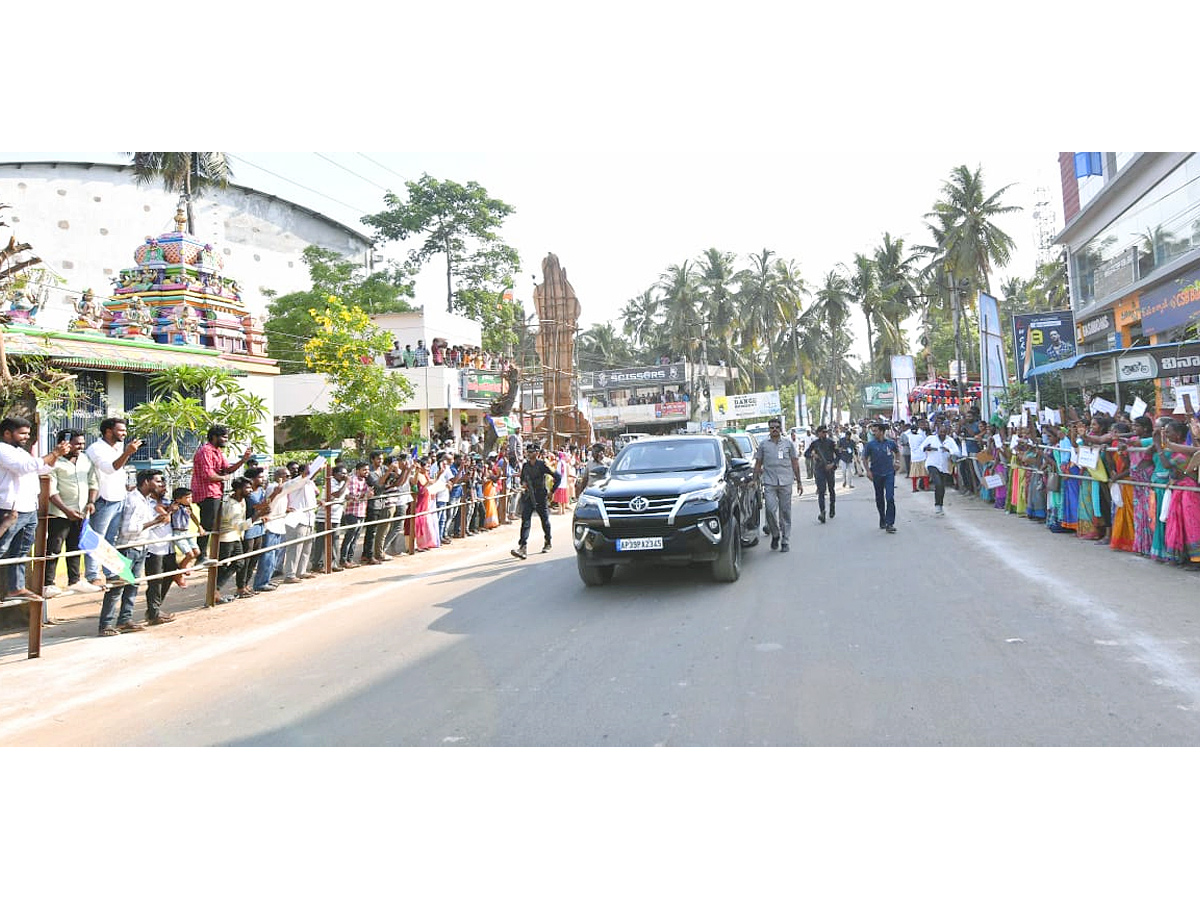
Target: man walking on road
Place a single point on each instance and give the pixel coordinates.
(822, 455)
(881, 456)
(534, 494)
(778, 465)
(940, 451)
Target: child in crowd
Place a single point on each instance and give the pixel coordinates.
(182, 516)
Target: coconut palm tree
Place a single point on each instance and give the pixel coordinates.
(864, 287)
(971, 239)
(601, 347)
(764, 314)
(716, 282)
(187, 174)
(639, 320)
(681, 308)
(831, 308)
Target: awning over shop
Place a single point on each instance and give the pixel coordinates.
(113, 354)
(1046, 368)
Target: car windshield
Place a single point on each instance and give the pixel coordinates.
(668, 456)
(743, 441)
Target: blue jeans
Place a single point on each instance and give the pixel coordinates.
(14, 544)
(106, 522)
(885, 497)
(126, 593)
(443, 519)
(266, 562)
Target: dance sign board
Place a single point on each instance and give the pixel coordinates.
(746, 406)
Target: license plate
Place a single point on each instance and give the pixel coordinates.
(647, 543)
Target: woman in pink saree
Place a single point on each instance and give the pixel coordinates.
(425, 528)
(1183, 511)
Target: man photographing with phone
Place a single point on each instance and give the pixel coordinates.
(109, 455)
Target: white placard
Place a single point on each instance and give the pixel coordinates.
(1193, 391)
(1030, 405)
(1099, 404)
(1015, 421)
(316, 465)
(1116, 495)
(1138, 408)
(1088, 457)
(993, 481)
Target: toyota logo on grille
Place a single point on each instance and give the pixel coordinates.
(639, 504)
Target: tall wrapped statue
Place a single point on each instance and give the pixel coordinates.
(558, 310)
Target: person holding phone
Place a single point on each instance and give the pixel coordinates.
(209, 468)
(109, 455)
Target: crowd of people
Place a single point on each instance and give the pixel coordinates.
(269, 524)
(440, 353)
(636, 398)
(1129, 483)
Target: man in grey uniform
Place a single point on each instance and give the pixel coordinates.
(778, 465)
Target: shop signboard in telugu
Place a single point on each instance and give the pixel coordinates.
(1040, 338)
(1172, 304)
(746, 406)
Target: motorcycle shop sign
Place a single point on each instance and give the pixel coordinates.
(1168, 362)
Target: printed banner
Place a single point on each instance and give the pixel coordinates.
(904, 379)
(1040, 338)
(746, 406)
(611, 379)
(674, 409)
(993, 376)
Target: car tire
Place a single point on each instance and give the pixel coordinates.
(728, 566)
(594, 576)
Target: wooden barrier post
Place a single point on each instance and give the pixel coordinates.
(35, 628)
(39, 541)
(328, 516)
(214, 546)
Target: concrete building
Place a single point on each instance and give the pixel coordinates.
(1132, 236)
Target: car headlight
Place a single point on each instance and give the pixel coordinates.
(708, 495)
(587, 501)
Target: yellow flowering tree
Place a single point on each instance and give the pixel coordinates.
(365, 398)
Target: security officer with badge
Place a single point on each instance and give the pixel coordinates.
(777, 463)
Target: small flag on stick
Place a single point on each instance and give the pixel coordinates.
(105, 553)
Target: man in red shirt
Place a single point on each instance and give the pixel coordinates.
(209, 465)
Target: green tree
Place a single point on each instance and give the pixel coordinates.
(830, 310)
(602, 347)
(764, 314)
(188, 174)
(864, 287)
(460, 222)
(178, 411)
(639, 321)
(681, 308)
(971, 240)
(289, 326)
(364, 397)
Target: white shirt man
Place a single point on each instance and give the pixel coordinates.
(940, 450)
(112, 480)
(916, 440)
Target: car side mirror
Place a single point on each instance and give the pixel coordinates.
(739, 465)
(598, 473)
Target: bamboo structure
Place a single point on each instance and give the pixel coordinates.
(557, 309)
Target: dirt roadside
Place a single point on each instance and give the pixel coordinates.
(78, 613)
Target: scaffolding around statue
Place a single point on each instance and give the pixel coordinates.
(560, 421)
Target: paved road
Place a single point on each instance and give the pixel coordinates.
(976, 629)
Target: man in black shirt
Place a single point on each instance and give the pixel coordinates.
(823, 453)
(534, 493)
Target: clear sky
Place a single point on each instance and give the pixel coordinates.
(616, 220)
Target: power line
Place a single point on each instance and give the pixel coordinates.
(301, 186)
(381, 165)
(351, 171)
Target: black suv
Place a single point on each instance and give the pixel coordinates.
(679, 499)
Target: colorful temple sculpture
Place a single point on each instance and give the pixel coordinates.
(176, 295)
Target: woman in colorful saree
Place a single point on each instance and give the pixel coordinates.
(1161, 476)
(491, 513)
(1031, 458)
(1140, 446)
(1069, 511)
(1183, 515)
(1090, 523)
(1056, 465)
(425, 527)
(1121, 491)
(1018, 483)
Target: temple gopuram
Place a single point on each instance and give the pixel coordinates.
(176, 295)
